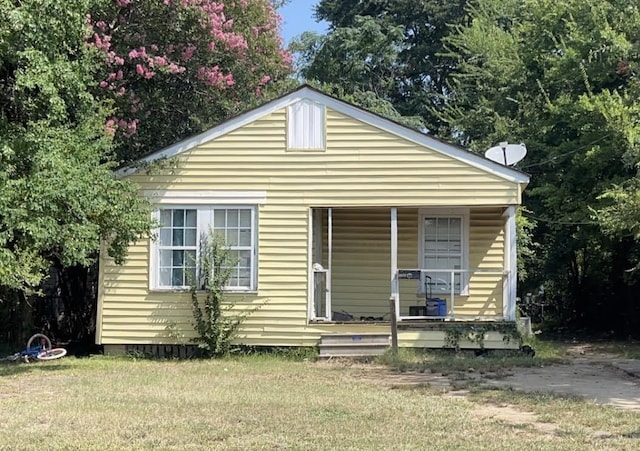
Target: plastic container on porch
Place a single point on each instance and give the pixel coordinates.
(436, 307)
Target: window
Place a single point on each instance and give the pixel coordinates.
(306, 126)
(178, 247)
(444, 247)
(175, 253)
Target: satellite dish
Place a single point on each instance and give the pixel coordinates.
(507, 154)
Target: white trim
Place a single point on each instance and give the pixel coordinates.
(327, 301)
(395, 291)
(311, 274)
(307, 93)
(511, 266)
(211, 197)
(464, 214)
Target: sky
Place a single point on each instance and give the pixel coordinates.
(297, 17)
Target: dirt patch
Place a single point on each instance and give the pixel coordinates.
(601, 377)
(513, 416)
(603, 383)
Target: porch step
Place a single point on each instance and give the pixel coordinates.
(353, 345)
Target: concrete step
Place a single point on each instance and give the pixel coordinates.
(353, 345)
(373, 338)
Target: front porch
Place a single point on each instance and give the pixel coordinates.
(438, 265)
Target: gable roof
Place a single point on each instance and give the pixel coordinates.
(367, 117)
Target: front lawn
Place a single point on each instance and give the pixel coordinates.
(265, 402)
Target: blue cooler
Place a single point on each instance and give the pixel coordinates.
(436, 307)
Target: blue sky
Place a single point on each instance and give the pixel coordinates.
(297, 17)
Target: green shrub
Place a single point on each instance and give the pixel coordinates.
(214, 322)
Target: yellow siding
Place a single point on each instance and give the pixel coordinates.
(362, 166)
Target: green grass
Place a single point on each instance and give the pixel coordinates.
(267, 402)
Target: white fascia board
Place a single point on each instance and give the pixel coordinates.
(344, 108)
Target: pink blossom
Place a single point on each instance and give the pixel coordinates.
(139, 69)
(188, 52)
(103, 84)
(119, 61)
(121, 92)
(175, 69)
(110, 127)
(119, 75)
(123, 2)
(133, 54)
(265, 79)
(101, 24)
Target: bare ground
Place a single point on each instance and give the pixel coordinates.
(601, 377)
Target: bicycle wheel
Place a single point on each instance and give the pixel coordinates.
(52, 354)
(39, 340)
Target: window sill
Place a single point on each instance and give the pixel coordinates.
(187, 290)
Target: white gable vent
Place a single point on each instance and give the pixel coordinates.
(306, 126)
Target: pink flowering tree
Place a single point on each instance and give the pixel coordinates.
(173, 68)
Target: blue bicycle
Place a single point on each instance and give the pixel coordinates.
(38, 348)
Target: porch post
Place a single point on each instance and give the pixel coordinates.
(394, 260)
(329, 262)
(511, 265)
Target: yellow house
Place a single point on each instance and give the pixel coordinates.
(334, 214)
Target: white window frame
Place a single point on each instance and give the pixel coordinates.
(205, 220)
(463, 214)
(306, 126)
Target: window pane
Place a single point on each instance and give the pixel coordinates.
(190, 276)
(245, 218)
(245, 237)
(165, 218)
(178, 237)
(455, 227)
(190, 259)
(165, 258)
(244, 259)
(192, 216)
(165, 237)
(232, 238)
(219, 219)
(177, 279)
(165, 277)
(232, 218)
(190, 237)
(443, 228)
(178, 258)
(178, 218)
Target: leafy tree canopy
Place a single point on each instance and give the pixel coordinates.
(393, 49)
(173, 68)
(561, 76)
(59, 196)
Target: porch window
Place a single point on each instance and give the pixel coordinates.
(175, 253)
(444, 247)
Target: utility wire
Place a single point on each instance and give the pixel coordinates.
(551, 221)
(553, 159)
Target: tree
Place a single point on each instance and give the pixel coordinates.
(59, 197)
(187, 63)
(393, 49)
(559, 76)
